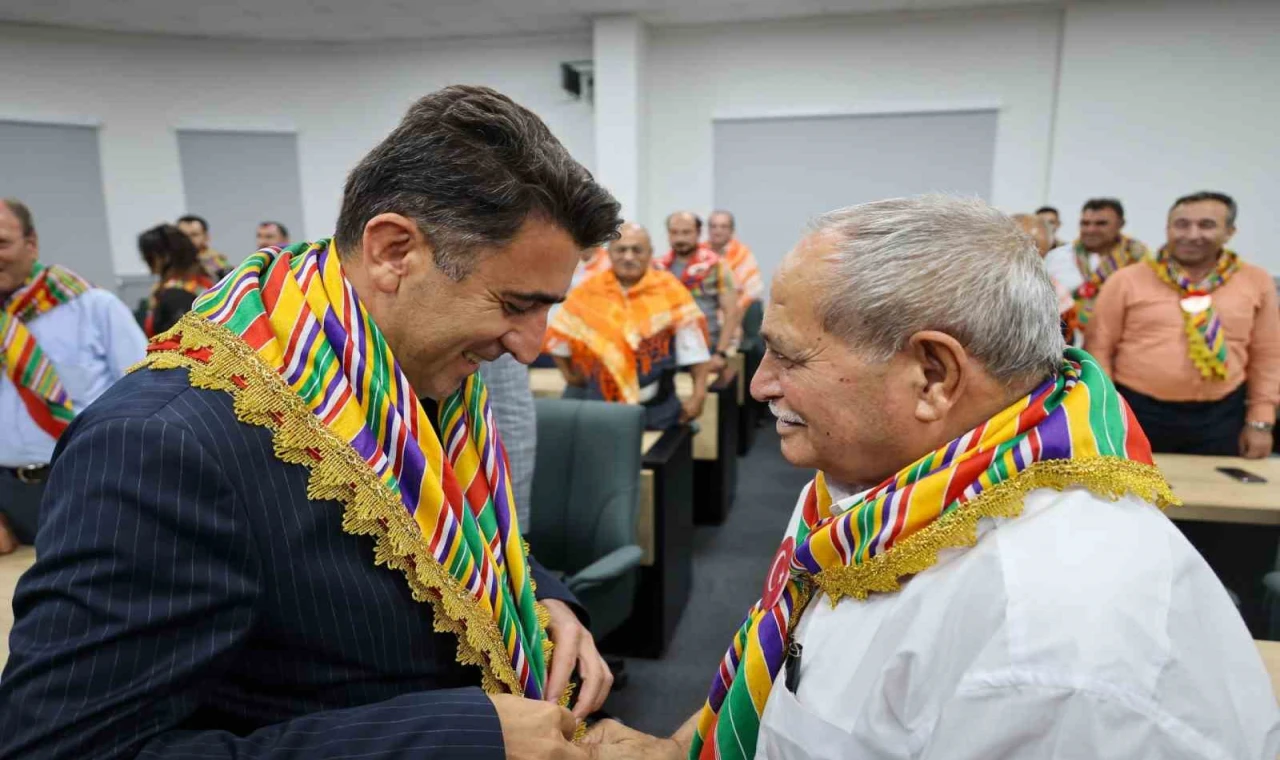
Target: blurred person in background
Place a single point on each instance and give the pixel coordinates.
(722, 238)
(1101, 250)
(272, 233)
(710, 281)
(197, 228)
(621, 335)
(180, 277)
(65, 343)
(1192, 337)
(1042, 233)
(1050, 216)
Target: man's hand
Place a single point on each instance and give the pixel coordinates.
(1255, 444)
(574, 644)
(691, 408)
(534, 730)
(716, 364)
(610, 740)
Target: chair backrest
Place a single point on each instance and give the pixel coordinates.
(586, 481)
(752, 318)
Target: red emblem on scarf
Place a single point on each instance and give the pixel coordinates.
(779, 574)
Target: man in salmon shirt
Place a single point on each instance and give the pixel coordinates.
(1192, 337)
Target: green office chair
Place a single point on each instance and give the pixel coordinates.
(586, 488)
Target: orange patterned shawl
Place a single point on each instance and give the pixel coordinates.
(746, 273)
(615, 335)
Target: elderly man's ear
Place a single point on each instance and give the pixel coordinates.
(939, 368)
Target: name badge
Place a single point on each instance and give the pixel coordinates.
(1194, 303)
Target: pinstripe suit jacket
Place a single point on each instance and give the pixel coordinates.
(190, 601)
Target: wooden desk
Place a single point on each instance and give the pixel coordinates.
(12, 566)
(1270, 651)
(1210, 496)
(664, 530)
(645, 514)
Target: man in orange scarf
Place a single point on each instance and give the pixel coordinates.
(622, 334)
(721, 229)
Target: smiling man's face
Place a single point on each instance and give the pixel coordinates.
(836, 409)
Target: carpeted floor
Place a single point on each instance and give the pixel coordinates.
(729, 565)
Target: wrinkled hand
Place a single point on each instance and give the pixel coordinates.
(610, 740)
(574, 645)
(533, 730)
(1255, 444)
(691, 408)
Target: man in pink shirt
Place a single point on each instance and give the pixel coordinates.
(1192, 337)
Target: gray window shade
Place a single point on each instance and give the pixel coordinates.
(55, 169)
(237, 179)
(775, 174)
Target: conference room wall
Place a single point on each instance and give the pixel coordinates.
(1162, 99)
(994, 58)
(339, 99)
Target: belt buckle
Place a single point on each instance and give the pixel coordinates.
(25, 474)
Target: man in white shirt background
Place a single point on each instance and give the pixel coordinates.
(87, 337)
(981, 568)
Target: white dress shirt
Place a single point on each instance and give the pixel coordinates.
(90, 341)
(1082, 629)
(1061, 263)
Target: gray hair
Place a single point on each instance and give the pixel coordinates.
(937, 262)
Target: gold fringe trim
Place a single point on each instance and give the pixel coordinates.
(1107, 477)
(217, 359)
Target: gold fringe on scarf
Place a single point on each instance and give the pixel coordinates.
(219, 360)
(1106, 477)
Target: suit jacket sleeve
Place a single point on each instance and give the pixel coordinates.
(147, 584)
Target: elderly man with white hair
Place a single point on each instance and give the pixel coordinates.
(980, 567)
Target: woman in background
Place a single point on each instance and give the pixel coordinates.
(174, 260)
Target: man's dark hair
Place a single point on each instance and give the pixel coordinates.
(1048, 210)
(1098, 204)
(469, 165)
(733, 223)
(166, 249)
(20, 210)
(284, 231)
(697, 220)
(204, 225)
(1210, 195)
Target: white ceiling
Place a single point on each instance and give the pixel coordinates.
(363, 20)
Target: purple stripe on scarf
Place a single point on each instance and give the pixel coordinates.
(1019, 459)
(952, 448)
(413, 463)
(1055, 435)
(772, 646)
(1211, 334)
(302, 363)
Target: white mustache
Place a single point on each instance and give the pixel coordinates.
(789, 417)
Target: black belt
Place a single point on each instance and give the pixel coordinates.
(31, 474)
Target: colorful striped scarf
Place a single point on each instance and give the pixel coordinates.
(703, 275)
(1127, 251)
(444, 514)
(614, 335)
(1206, 340)
(25, 363)
(1073, 430)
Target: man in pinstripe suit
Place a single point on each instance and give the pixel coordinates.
(194, 597)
